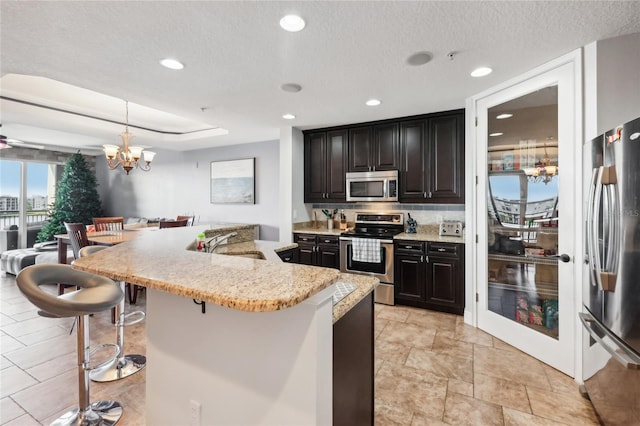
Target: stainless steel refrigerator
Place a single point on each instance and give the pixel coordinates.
(611, 296)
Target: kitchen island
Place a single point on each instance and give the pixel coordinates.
(262, 351)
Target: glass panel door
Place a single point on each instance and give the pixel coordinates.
(10, 200)
(523, 220)
(25, 206)
(527, 216)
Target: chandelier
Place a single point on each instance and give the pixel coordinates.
(543, 171)
(127, 156)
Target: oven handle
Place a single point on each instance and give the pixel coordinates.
(623, 356)
(352, 238)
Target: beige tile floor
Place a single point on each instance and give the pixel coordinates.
(431, 369)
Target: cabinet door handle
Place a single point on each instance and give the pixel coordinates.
(327, 241)
(408, 247)
(424, 194)
(287, 259)
(421, 259)
(441, 249)
(429, 194)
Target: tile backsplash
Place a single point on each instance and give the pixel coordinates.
(424, 214)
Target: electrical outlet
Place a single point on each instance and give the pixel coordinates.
(194, 413)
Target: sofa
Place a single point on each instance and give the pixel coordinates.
(12, 259)
(9, 236)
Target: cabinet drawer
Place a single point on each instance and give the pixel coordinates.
(328, 239)
(410, 246)
(443, 249)
(305, 238)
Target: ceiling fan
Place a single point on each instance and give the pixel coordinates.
(6, 142)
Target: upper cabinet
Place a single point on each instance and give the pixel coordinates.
(374, 148)
(427, 150)
(432, 155)
(325, 166)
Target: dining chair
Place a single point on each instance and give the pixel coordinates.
(190, 219)
(78, 236)
(113, 223)
(173, 223)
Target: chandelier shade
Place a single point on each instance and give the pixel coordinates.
(543, 171)
(125, 156)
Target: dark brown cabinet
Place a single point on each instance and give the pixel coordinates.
(325, 166)
(373, 148)
(432, 156)
(427, 151)
(289, 256)
(409, 272)
(430, 275)
(318, 250)
(353, 366)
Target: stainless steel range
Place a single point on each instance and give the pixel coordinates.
(368, 249)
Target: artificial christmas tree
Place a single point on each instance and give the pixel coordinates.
(77, 198)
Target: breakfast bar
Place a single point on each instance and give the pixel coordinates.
(259, 351)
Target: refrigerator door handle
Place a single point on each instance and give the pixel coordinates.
(619, 353)
(595, 220)
(588, 225)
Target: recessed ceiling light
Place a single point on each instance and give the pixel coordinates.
(288, 116)
(172, 64)
(373, 102)
(496, 134)
(419, 58)
(292, 23)
(503, 116)
(481, 72)
(291, 87)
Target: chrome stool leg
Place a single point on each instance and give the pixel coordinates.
(125, 365)
(105, 413)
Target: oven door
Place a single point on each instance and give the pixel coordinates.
(382, 270)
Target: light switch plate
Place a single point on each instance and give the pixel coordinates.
(450, 229)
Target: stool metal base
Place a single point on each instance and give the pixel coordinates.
(103, 413)
(124, 367)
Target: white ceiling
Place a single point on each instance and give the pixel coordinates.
(236, 58)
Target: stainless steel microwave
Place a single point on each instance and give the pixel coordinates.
(372, 186)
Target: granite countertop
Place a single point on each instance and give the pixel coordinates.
(431, 236)
(270, 249)
(159, 259)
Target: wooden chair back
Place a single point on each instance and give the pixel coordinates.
(190, 219)
(113, 223)
(78, 237)
(173, 223)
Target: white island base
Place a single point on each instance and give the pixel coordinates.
(241, 368)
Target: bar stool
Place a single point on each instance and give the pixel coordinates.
(126, 365)
(95, 294)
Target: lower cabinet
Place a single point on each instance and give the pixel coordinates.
(289, 256)
(318, 250)
(353, 362)
(430, 275)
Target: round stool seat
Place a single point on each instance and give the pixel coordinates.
(89, 250)
(96, 293)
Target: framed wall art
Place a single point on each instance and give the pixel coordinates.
(233, 181)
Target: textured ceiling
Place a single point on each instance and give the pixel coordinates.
(236, 58)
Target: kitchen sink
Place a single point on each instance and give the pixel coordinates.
(250, 255)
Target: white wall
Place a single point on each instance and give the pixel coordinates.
(292, 207)
(617, 79)
(179, 183)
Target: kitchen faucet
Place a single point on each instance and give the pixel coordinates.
(212, 243)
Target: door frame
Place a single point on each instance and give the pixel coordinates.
(474, 251)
